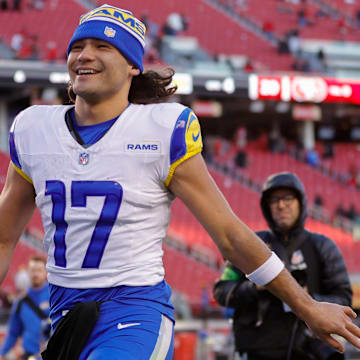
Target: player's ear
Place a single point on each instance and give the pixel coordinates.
(134, 71)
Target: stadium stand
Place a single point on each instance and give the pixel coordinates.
(245, 203)
(345, 7)
(284, 16)
(262, 163)
(54, 23)
(48, 29)
(345, 159)
(188, 276)
(216, 32)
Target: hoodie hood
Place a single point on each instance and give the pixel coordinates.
(280, 181)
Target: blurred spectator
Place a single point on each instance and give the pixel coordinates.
(25, 48)
(173, 25)
(328, 150)
(312, 157)
(352, 214)
(302, 19)
(358, 18)
(264, 327)
(16, 42)
(3, 5)
(21, 281)
(29, 315)
(17, 5)
(152, 43)
(185, 22)
(37, 4)
(145, 19)
(318, 200)
(268, 28)
(241, 159)
(320, 13)
(322, 58)
(299, 148)
(34, 48)
(262, 142)
(240, 140)
(283, 46)
(51, 51)
(29, 49)
(293, 40)
(276, 141)
(353, 175)
(151, 56)
(249, 67)
(318, 207)
(343, 26)
(340, 211)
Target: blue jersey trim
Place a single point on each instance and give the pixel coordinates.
(13, 153)
(178, 143)
(90, 134)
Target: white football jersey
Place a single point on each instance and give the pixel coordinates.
(105, 208)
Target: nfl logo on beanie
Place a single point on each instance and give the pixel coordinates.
(116, 26)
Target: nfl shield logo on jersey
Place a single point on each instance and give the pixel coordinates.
(84, 158)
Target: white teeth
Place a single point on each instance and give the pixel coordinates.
(85, 71)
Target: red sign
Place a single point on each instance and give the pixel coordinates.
(304, 89)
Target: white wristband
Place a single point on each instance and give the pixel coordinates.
(268, 271)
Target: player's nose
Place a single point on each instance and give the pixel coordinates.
(86, 53)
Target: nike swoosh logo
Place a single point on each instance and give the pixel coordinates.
(123, 326)
(195, 137)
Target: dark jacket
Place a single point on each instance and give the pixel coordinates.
(262, 323)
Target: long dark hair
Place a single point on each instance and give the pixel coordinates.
(147, 88)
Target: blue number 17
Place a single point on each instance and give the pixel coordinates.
(80, 190)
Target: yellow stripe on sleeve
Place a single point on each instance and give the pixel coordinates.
(22, 174)
(187, 139)
(178, 162)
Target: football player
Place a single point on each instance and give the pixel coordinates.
(103, 173)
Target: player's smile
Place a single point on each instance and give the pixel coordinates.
(85, 71)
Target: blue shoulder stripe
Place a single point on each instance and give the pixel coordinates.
(178, 143)
(13, 153)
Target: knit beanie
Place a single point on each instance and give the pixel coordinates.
(116, 26)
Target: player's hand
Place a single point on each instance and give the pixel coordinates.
(325, 319)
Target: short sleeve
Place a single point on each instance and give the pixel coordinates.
(14, 154)
(185, 141)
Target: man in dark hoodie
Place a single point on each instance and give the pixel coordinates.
(265, 327)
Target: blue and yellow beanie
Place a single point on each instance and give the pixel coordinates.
(116, 26)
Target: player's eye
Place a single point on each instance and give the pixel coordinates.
(76, 47)
(103, 46)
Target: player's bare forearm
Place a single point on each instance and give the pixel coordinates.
(195, 187)
(17, 205)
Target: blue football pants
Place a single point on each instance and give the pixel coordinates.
(130, 332)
